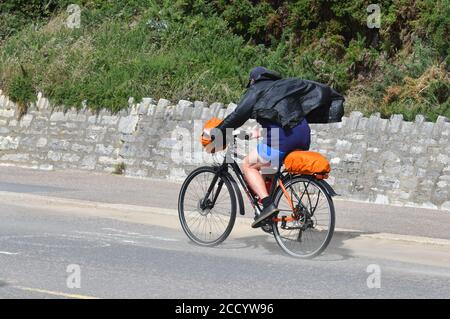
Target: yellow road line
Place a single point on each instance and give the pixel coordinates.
(55, 293)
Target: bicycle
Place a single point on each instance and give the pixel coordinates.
(210, 197)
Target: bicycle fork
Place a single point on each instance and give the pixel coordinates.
(206, 204)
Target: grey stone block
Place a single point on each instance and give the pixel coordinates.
(105, 160)
(395, 123)
(127, 150)
(82, 148)
(4, 130)
(56, 145)
(76, 117)
(427, 129)
(439, 126)
(15, 157)
(42, 142)
(148, 100)
(206, 114)
(185, 103)
(163, 103)
(160, 111)
(230, 109)
(109, 120)
(89, 162)
(200, 104)
(54, 156)
(71, 158)
(9, 143)
(104, 150)
(142, 109)
(362, 123)
(127, 125)
(177, 174)
(151, 110)
(446, 205)
(198, 111)
(353, 120)
(420, 119)
(25, 121)
(92, 119)
(7, 113)
(169, 113)
(167, 143)
(343, 145)
(183, 110)
(215, 108)
(221, 114)
(148, 164)
(58, 117)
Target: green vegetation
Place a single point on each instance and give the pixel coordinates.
(20, 90)
(119, 169)
(198, 49)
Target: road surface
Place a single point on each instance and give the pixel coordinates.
(80, 235)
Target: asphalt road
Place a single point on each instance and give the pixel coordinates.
(156, 193)
(125, 251)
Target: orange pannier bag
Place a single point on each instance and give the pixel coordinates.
(307, 163)
(207, 141)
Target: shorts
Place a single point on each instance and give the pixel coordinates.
(272, 155)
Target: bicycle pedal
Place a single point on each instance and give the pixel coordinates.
(267, 228)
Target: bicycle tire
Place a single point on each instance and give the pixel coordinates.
(182, 213)
(331, 210)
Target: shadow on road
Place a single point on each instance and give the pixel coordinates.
(334, 252)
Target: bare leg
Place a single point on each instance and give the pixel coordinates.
(251, 167)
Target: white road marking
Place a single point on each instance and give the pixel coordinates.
(7, 253)
(55, 293)
(126, 235)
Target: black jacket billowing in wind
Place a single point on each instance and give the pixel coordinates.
(286, 102)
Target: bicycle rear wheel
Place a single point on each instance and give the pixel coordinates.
(207, 221)
(306, 231)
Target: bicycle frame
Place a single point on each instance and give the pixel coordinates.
(224, 169)
(277, 179)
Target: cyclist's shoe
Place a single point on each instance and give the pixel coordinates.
(266, 213)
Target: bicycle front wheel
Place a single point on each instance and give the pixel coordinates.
(304, 228)
(207, 220)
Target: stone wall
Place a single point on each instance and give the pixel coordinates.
(387, 161)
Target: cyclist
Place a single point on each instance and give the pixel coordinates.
(283, 107)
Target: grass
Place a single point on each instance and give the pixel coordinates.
(202, 50)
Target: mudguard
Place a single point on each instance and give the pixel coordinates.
(326, 187)
(237, 191)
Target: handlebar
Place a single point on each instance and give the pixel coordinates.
(241, 135)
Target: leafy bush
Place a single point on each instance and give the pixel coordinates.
(199, 49)
(21, 91)
(434, 25)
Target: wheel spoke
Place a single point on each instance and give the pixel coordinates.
(313, 202)
(209, 224)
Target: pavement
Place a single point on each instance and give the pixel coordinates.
(82, 235)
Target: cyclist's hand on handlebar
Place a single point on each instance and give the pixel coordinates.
(207, 133)
(255, 133)
(244, 135)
